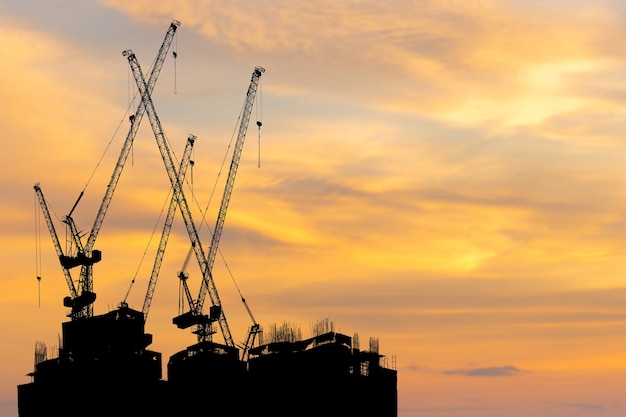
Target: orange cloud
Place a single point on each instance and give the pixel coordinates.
(468, 64)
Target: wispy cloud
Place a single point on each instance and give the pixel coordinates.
(491, 371)
(595, 407)
(484, 63)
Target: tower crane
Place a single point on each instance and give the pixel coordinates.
(255, 329)
(167, 226)
(180, 197)
(56, 243)
(89, 255)
(230, 181)
(228, 189)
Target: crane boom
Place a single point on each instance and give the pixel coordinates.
(77, 301)
(86, 278)
(167, 227)
(230, 181)
(135, 121)
(178, 192)
(55, 239)
(254, 330)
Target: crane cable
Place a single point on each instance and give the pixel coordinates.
(219, 250)
(106, 149)
(203, 221)
(154, 228)
(132, 282)
(38, 251)
(192, 163)
(175, 55)
(134, 278)
(206, 208)
(259, 121)
(153, 232)
(129, 89)
(204, 212)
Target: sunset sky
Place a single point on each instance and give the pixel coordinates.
(447, 176)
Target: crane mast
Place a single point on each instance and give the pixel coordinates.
(180, 196)
(167, 226)
(230, 181)
(86, 274)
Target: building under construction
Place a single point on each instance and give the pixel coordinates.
(104, 366)
(105, 369)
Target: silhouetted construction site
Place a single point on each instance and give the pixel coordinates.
(103, 366)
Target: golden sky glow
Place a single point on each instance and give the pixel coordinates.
(447, 176)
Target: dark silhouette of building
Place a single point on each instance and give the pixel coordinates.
(105, 369)
(322, 376)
